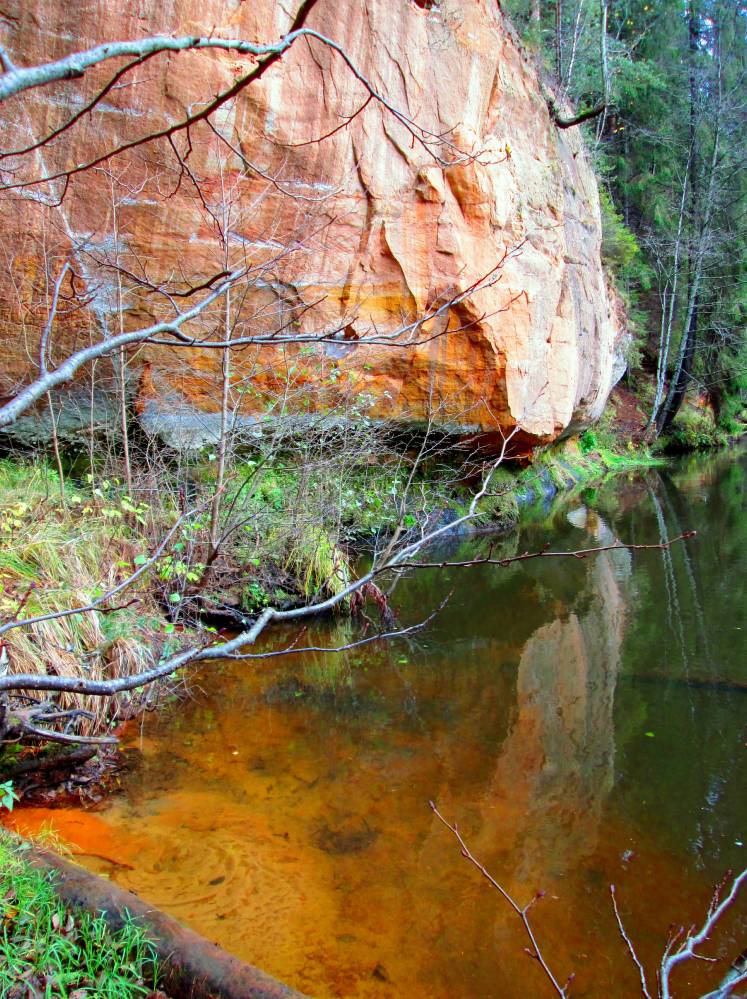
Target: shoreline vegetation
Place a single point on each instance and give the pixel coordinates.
(311, 517)
(50, 948)
(46, 942)
(298, 523)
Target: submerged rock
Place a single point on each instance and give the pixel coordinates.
(350, 836)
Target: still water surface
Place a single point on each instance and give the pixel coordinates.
(583, 721)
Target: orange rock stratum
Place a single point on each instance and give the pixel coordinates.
(365, 229)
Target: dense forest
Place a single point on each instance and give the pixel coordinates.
(665, 86)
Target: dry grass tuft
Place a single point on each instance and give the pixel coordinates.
(60, 552)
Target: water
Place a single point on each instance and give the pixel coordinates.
(583, 721)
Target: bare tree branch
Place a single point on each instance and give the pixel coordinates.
(580, 553)
(629, 945)
(577, 119)
(74, 66)
(65, 371)
(521, 911)
(47, 331)
(686, 950)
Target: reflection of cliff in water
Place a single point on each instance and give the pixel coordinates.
(282, 810)
(555, 767)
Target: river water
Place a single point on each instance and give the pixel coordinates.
(582, 720)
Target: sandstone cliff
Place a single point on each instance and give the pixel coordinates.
(364, 230)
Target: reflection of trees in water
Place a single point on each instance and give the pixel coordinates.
(670, 592)
(693, 618)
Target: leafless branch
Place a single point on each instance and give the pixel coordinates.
(687, 942)
(86, 109)
(47, 331)
(580, 553)
(74, 66)
(64, 737)
(65, 371)
(357, 643)
(577, 119)
(521, 911)
(629, 945)
(686, 950)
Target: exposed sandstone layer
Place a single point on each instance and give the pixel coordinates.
(363, 231)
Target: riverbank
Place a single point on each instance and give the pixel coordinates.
(154, 582)
(528, 711)
(69, 932)
(50, 947)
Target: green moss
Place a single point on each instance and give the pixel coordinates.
(694, 429)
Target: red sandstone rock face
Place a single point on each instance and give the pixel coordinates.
(364, 230)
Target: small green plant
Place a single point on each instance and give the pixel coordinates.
(8, 796)
(318, 563)
(176, 568)
(588, 441)
(55, 950)
(254, 596)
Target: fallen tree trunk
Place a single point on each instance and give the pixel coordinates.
(191, 966)
(59, 761)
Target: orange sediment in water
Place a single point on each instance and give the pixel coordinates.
(282, 811)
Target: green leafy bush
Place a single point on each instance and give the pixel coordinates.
(695, 430)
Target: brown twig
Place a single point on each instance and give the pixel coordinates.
(580, 553)
(521, 911)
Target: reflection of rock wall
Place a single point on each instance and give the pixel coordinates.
(385, 232)
(555, 768)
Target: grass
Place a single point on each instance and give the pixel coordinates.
(61, 550)
(48, 949)
(318, 564)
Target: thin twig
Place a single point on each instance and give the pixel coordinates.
(686, 950)
(521, 912)
(629, 945)
(580, 553)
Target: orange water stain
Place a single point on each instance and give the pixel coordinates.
(87, 835)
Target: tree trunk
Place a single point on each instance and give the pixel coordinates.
(668, 304)
(678, 385)
(702, 205)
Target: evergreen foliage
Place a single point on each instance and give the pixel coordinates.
(671, 151)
